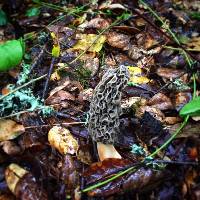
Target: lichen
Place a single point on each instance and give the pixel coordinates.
(105, 107)
(22, 100)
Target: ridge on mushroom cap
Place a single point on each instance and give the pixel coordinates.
(105, 107)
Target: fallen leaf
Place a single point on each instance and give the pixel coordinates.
(84, 154)
(9, 129)
(62, 140)
(155, 112)
(89, 42)
(62, 84)
(182, 98)
(110, 6)
(58, 97)
(194, 43)
(23, 184)
(10, 148)
(136, 75)
(98, 23)
(69, 173)
(118, 40)
(160, 101)
(169, 73)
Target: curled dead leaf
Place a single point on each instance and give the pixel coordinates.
(58, 97)
(23, 184)
(169, 73)
(9, 129)
(62, 140)
(118, 40)
(155, 112)
(181, 99)
(10, 147)
(98, 23)
(160, 101)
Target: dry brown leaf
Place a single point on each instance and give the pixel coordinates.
(65, 82)
(118, 40)
(161, 102)
(62, 140)
(169, 73)
(58, 97)
(111, 6)
(172, 120)
(86, 95)
(10, 147)
(9, 129)
(155, 112)
(181, 99)
(98, 23)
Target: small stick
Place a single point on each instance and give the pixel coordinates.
(48, 77)
(47, 125)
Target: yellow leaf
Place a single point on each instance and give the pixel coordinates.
(10, 129)
(136, 75)
(61, 139)
(53, 35)
(55, 51)
(55, 76)
(86, 40)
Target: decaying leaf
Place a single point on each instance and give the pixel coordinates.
(182, 98)
(84, 154)
(23, 184)
(10, 147)
(89, 42)
(62, 140)
(155, 112)
(118, 40)
(69, 174)
(98, 23)
(135, 181)
(194, 43)
(58, 97)
(161, 102)
(99, 170)
(169, 73)
(9, 129)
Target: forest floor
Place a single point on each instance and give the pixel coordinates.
(54, 53)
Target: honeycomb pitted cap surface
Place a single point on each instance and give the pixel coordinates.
(105, 107)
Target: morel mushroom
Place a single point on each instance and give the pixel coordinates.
(105, 109)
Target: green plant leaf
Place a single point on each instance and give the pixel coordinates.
(11, 54)
(192, 108)
(3, 18)
(34, 11)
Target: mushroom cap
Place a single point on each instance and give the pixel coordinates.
(105, 107)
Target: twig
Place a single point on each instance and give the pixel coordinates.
(22, 86)
(47, 125)
(48, 77)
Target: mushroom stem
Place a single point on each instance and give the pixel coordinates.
(107, 151)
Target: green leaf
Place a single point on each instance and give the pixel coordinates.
(33, 12)
(192, 108)
(11, 54)
(3, 18)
